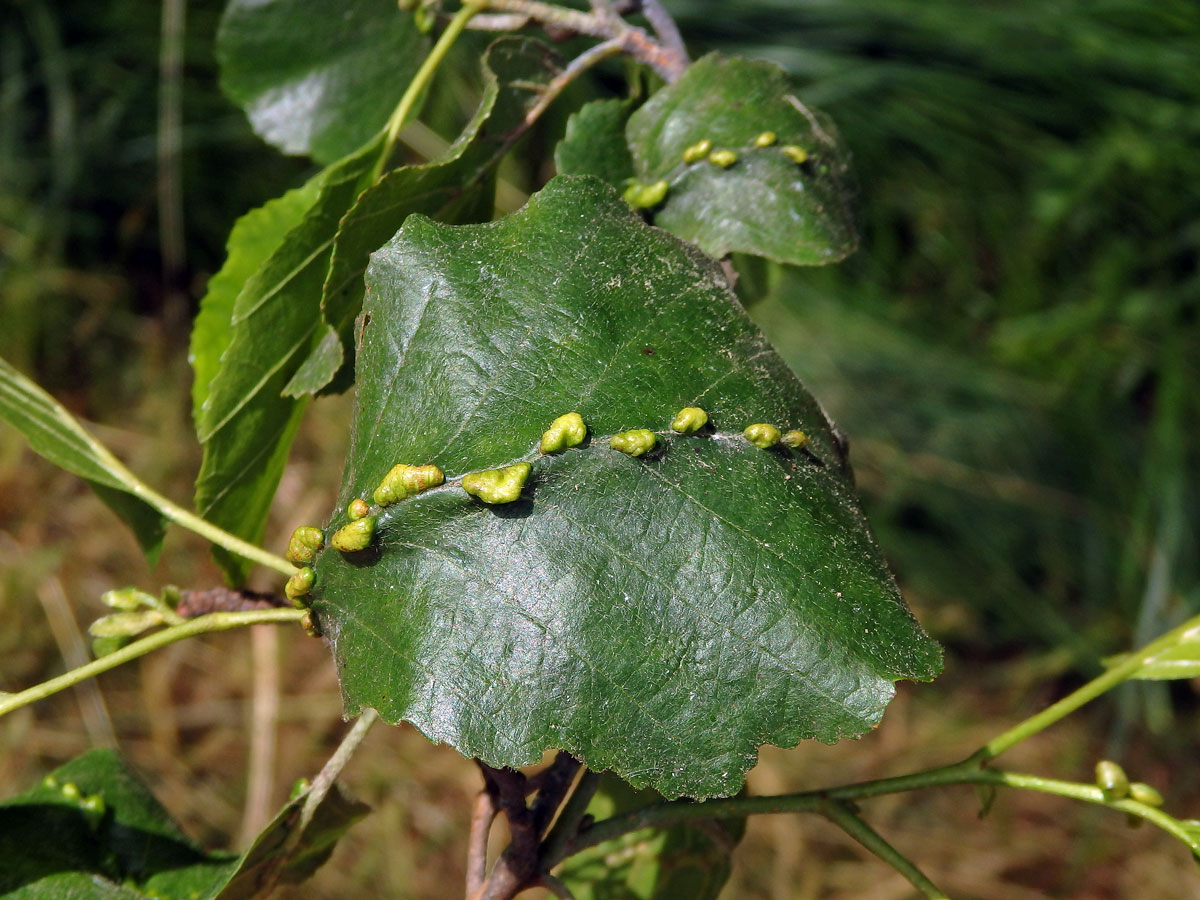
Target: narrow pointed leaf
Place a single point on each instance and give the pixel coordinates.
(455, 188)
(660, 616)
(255, 236)
(59, 437)
(246, 424)
(764, 203)
(314, 77)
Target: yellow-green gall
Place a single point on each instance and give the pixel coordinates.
(697, 151)
(299, 786)
(762, 435)
(645, 196)
(309, 624)
(405, 481)
(766, 139)
(634, 443)
(129, 598)
(71, 791)
(1111, 779)
(794, 439)
(565, 431)
(1143, 793)
(795, 153)
(723, 158)
(358, 509)
(689, 419)
(299, 585)
(355, 536)
(497, 485)
(304, 544)
(93, 807)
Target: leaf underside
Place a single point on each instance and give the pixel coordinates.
(661, 617)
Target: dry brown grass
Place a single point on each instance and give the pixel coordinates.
(183, 716)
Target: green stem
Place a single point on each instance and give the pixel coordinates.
(420, 81)
(219, 621)
(840, 815)
(1120, 672)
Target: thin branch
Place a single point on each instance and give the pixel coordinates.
(841, 815)
(477, 846)
(554, 886)
(574, 69)
(498, 22)
(569, 819)
(224, 621)
(264, 723)
(664, 26)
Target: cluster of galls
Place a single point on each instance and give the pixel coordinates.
(92, 805)
(492, 486)
(647, 196)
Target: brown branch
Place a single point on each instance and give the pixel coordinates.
(222, 599)
(477, 847)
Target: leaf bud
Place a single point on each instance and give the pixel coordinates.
(634, 443)
(697, 151)
(357, 509)
(766, 139)
(404, 481)
(795, 439)
(1140, 792)
(1111, 779)
(355, 536)
(689, 419)
(565, 431)
(125, 624)
(128, 598)
(497, 485)
(299, 585)
(795, 153)
(304, 544)
(762, 435)
(723, 158)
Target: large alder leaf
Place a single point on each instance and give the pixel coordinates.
(455, 188)
(315, 77)
(58, 436)
(661, 617)
(765, 203)
(91, 830)
(245, 423)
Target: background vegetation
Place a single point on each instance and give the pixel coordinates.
(1012, 353)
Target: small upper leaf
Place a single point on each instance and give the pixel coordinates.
(595, 142)
(660, 616)
(57, 435)
(314, 77)
(764, 202)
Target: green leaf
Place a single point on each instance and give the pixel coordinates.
(660, 616)
(91, 829)
(57, 435)
(455, 188)
(314, 77)
(255, 236)
(246, 424)
(56, 842)
(764, 204)
(652, 864)
(595, 142)
(1181, 660)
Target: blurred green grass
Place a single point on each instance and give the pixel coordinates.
(1013, 354)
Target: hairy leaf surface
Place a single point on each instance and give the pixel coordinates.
(660, 616)
(765, 203)
(91, 830)
(455, 188)
(315, 77)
